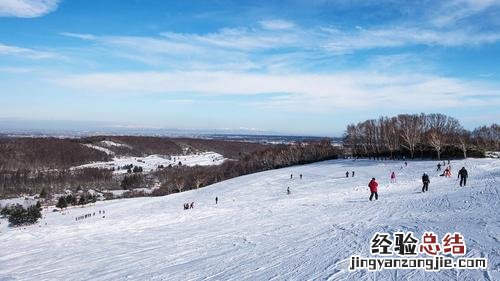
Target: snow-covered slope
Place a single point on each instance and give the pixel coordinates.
(257, 232)
(151, 162)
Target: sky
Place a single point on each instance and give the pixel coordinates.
(295, 67)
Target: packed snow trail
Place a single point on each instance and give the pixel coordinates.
(258, 232)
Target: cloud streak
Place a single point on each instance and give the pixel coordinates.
(299, 92)
(257, 48)
(27, 8)
(7, 50)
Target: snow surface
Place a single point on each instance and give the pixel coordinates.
(25, 201)
(257, 232)
(112, 143)
(151, 162)
(103, 149)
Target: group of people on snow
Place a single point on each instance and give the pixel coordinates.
(462, 175)
(85, 216)
(188, 206)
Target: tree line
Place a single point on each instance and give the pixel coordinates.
(18, 215)
(53, 181)
(178, 179)
(424, 135)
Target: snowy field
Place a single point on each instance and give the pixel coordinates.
(151, 162)
(257, 232)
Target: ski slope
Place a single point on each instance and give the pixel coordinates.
(257, 232)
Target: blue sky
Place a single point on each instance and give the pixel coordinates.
(301, 67)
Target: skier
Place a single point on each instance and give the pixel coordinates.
(373, 189)
(462, 174)
(406, 164)
(216, 200)
(191, 206)
(291, 176)
(393, 177)
(353, 174)
(288, 191)
(439, 167)
(425, 181)
(300, 176)
(347, 174)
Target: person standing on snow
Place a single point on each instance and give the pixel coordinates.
(425, 181)
(462, 174)
(439, 167)
(393, 177)
(216, 200)
(347, 174)
(373, 185)
(288, 190)
(352, 174)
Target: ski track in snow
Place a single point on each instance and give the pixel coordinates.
(257, 232)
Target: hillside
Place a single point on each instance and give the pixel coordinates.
(57, 153)
(258, 232)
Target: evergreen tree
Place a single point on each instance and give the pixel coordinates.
(19, 216)
(43, 193)
(70, 199)
(82, 200)
(61, 203)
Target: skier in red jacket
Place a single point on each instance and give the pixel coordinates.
(373, 189)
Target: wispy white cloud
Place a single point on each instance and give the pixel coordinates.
(27, 8)
(16, 70)
(341, 41)
(257, 48)
(451, 12)
(8, 50)
(79, 35)
(299, 92)
(276, 24)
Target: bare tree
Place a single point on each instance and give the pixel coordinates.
(441, 130)
(390, 134)
(463, 139)
(487, 137)
(410, 131)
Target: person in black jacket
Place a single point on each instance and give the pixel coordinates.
(425, 181)
(462, 174)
